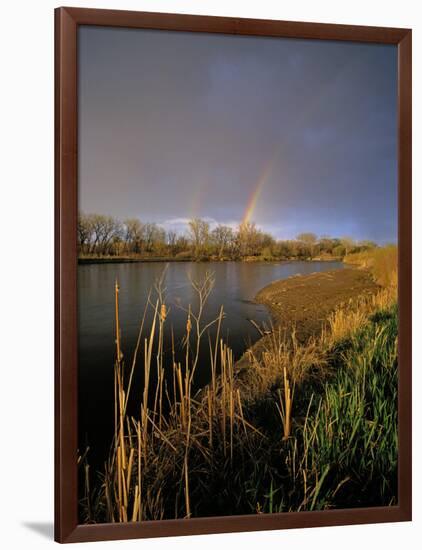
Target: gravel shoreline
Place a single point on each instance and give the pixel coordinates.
(304, 302)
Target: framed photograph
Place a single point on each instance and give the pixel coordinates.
(233, 275)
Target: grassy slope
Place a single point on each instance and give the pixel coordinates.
(342, 451)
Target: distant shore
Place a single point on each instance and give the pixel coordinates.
(248, 259)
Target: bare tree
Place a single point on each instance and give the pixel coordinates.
(309, 242)
(171, 241)
(105, 228)
(159, 243)
(150, 232)
(223, 238)
(182, 244)
(249, 237)
(307, 238)
(199, 233)
(133, 235)
(348, 243)
(85, 232)
(326, 244)
(171, 238)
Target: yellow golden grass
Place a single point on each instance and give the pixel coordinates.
(157, 445)
(285, 405)
(382, 262)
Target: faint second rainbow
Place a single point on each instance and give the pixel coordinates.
(197, 197)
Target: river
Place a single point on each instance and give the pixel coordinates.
(236, 284)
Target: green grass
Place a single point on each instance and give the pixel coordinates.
(343, 450)
(350, 437)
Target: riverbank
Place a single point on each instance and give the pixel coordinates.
(304, 302)
(247, 259)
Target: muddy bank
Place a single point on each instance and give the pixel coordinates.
(304, 302)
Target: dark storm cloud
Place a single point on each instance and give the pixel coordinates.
(174, 125)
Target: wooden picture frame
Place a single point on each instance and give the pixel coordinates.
(67, 21)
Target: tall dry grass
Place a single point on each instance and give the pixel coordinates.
(381, 261)
(148, 474)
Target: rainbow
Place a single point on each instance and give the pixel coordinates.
(196, 198)
(253, 200)
(305, 114)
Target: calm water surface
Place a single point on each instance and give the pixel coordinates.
(236, 284)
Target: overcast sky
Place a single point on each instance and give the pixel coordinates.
(296, 135)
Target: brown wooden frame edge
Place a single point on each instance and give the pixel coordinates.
(66, 520)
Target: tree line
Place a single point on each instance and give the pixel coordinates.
(106, 236)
